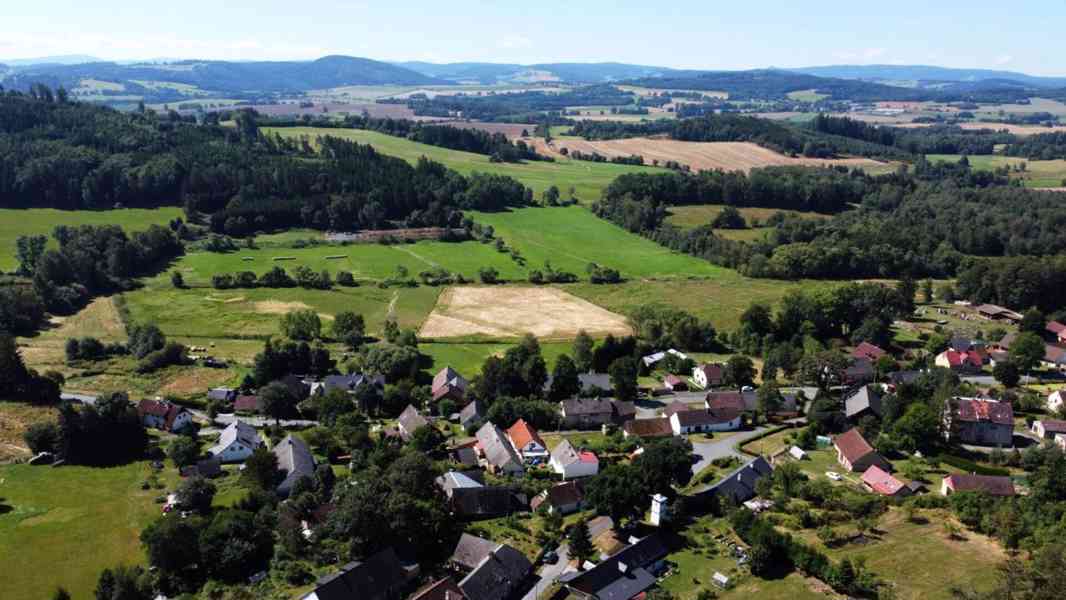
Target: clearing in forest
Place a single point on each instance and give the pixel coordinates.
(545, 312)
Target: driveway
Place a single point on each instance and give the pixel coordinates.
(708, 451)
(225, 419)
(549, 573)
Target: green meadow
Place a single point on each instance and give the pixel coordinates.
(587, 178)
(15, 222)
(1037, 173)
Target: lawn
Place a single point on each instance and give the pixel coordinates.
(573, 237)
(15, 222)
(63, 526)
(587, 178)
(1037, 174)
(721, 300)
(467, 357)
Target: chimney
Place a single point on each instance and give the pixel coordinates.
(622, 567)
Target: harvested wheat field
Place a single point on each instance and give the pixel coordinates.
(1021, 130)
(545, 312)
(100, 319)
(727, 156)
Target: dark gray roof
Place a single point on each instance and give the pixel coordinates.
(237, 431)
(866, 398)
(222, 393)
(497, 575)
(465, 456)
(470, 413)
(496, 446)
(410, 421)
(587, 406)
(377, 578)
(740, 484)
(471, 550)
(350, 382)
(295, 461)
(610, 581)
(485, 502)
(901, 377)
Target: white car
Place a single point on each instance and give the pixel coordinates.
(833, 475)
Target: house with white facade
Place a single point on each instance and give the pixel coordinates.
(236, 443)
(572, 463)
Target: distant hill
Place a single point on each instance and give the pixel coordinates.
(489, 73)
(924, 73)
(243, 80)
(66, 59)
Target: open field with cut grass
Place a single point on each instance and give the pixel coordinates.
(1037, 174)
(15, 419)
(720, 300)
(63, 526)
(807, 96)
(467, 357)
(502, 312)
(587, 178)
(41, 221)
(572, 237)
(725, 156)
(691, 216)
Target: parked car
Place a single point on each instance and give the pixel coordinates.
(551, 558)
(833, 475)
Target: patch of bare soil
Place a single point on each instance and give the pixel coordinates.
(276, 307)
(545, 312)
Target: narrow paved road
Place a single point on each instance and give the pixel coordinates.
(708, 451)
(549, 573)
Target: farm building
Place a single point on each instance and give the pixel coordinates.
(627, 574)
(447, 383)
(1048, 429)
(564, 498)
(295, 461)
(648, 428)
(380, 577)
(703, 420)
(236, 442)
(868, 351)
(588, 413)
(651, 359)
(739, 485)
(980, 421)
(453, 480)
(486, 502)
(881, 482)
(160, 414)
(855, 454)
(495, 447)
(987, 484)
(570, 462)
(708, 375)
(864, 401)
(993, 312)
(968, 362)
(410, 421)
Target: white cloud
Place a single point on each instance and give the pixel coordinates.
(1004, 59)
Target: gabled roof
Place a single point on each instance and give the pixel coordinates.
(565, 454)
(976, 410)
(867, 397)
(703, 417)
(852, 445)
(497, 575)
(651, 359)
(989, 484)
(673, 380)
(881, 481)
(901, 377)
(740, 484)
(445, 589)
(237, 431)
(563, 494)
(471, 412)
(649, 427)
(958, 359)
(586, 406)
(471, 550)
(380, 575)
(675, 407)
(712, 371)
(522, 433)
(496, 447)
(868, 351)
(221, 393)
(246, 403)
(295, 460)
(350, 382)
(485, 501)
(624, 410)
(448, 377)
(1052, 426)
(160, 408)
(742, 401)
(453, 480)
(1055, 327)
(410, 421)
(623, 575)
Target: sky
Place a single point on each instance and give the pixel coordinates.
(1023, 35)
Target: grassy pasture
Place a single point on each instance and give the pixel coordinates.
(466, 357)
(588, 178)
(1037, 174)
(807, 96)
(41, 221)
(572, 237)
(63, 526)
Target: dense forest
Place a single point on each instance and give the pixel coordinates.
(515, 106)
(59, 154)
(939, 139)
(1043, 146)
(920, 223)
(775, 135)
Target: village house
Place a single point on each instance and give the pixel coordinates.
(959, 343)
(980, 421)
(527, 441)
(236, 443)
(987, 484)
(703, 420)
(222, 394)
(494, 571)
(453, 480)
(571, 463)
(855, 454)
(295, 462)
(865, 400)
(1054, 357)
(486, 502)
(163, 415)
(410, 421)
(993, 312)
(747, 401)
(444, 589)
(471, 414)
(1048, 429)
(586, 413)
(648, 428)
(1060, 441)
(860, 371)
(674, 383)
(592, 384)
(738, 486)
(625, 575)
(296, 386)
(881, 482)
(898, 378)
(351, 382)
(495, 448)
(564, 498)
(380, 577)
(208, 468)
(1055, 400)
(651, 359)
(1056, 332)
(868, 351)
(709, 375)
(447, 383)
(969, 362)
(246, 404)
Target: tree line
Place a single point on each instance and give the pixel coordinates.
(938, 139)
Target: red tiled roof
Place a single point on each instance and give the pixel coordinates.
(868, 351)
(989, 484)
(1056, 327)
(587, 457)
(713, 371)
(881, 482)
(246, 403)
(1054, 426)
(975, 410)
(852, 445)
(160, 408)
(957, 359)
(726, 400)
(522, 433)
